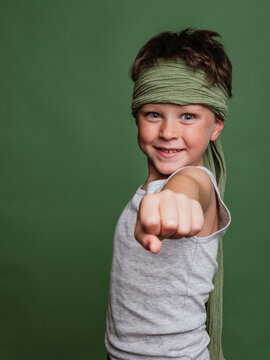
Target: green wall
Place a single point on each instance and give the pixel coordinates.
(70, 162)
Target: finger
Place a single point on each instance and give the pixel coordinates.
(149, 215)
(168, 214)
(197, 218)
(154, 244)
(148, 241)
(184, 213)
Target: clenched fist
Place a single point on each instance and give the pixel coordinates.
(167, 214)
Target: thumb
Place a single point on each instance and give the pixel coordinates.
(148, 241)
(154, 244)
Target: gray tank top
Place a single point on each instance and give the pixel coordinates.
(156, 307)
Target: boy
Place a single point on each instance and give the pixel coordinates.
(160, 284)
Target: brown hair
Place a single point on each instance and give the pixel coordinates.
(196, 47)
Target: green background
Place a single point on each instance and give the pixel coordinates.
(70, 162)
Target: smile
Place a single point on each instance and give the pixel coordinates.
(168, 153)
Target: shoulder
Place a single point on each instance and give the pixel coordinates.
(200, 177)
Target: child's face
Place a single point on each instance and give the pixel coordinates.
(187, 128)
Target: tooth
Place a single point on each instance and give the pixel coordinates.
(169, 151)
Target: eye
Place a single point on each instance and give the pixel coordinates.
(152, 115)
(188, 116)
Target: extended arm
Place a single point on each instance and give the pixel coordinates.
(176, 211)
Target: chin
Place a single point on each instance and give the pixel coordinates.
(169, 169)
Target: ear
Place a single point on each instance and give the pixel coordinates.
(219, 123)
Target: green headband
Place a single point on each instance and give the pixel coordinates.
(173, 81)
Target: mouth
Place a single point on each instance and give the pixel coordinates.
(168, 152)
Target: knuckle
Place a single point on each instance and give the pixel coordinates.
(181, 199)
(169, 225)
(149, 222)
(166, 192)
(196, 228)
(146, 199)
(184, 231)
(196, 203)
(182, 196)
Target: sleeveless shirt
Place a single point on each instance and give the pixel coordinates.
(156, 306)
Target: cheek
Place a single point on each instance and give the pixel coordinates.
(146, 134)
(197, 137)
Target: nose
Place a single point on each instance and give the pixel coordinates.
(169, 129)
